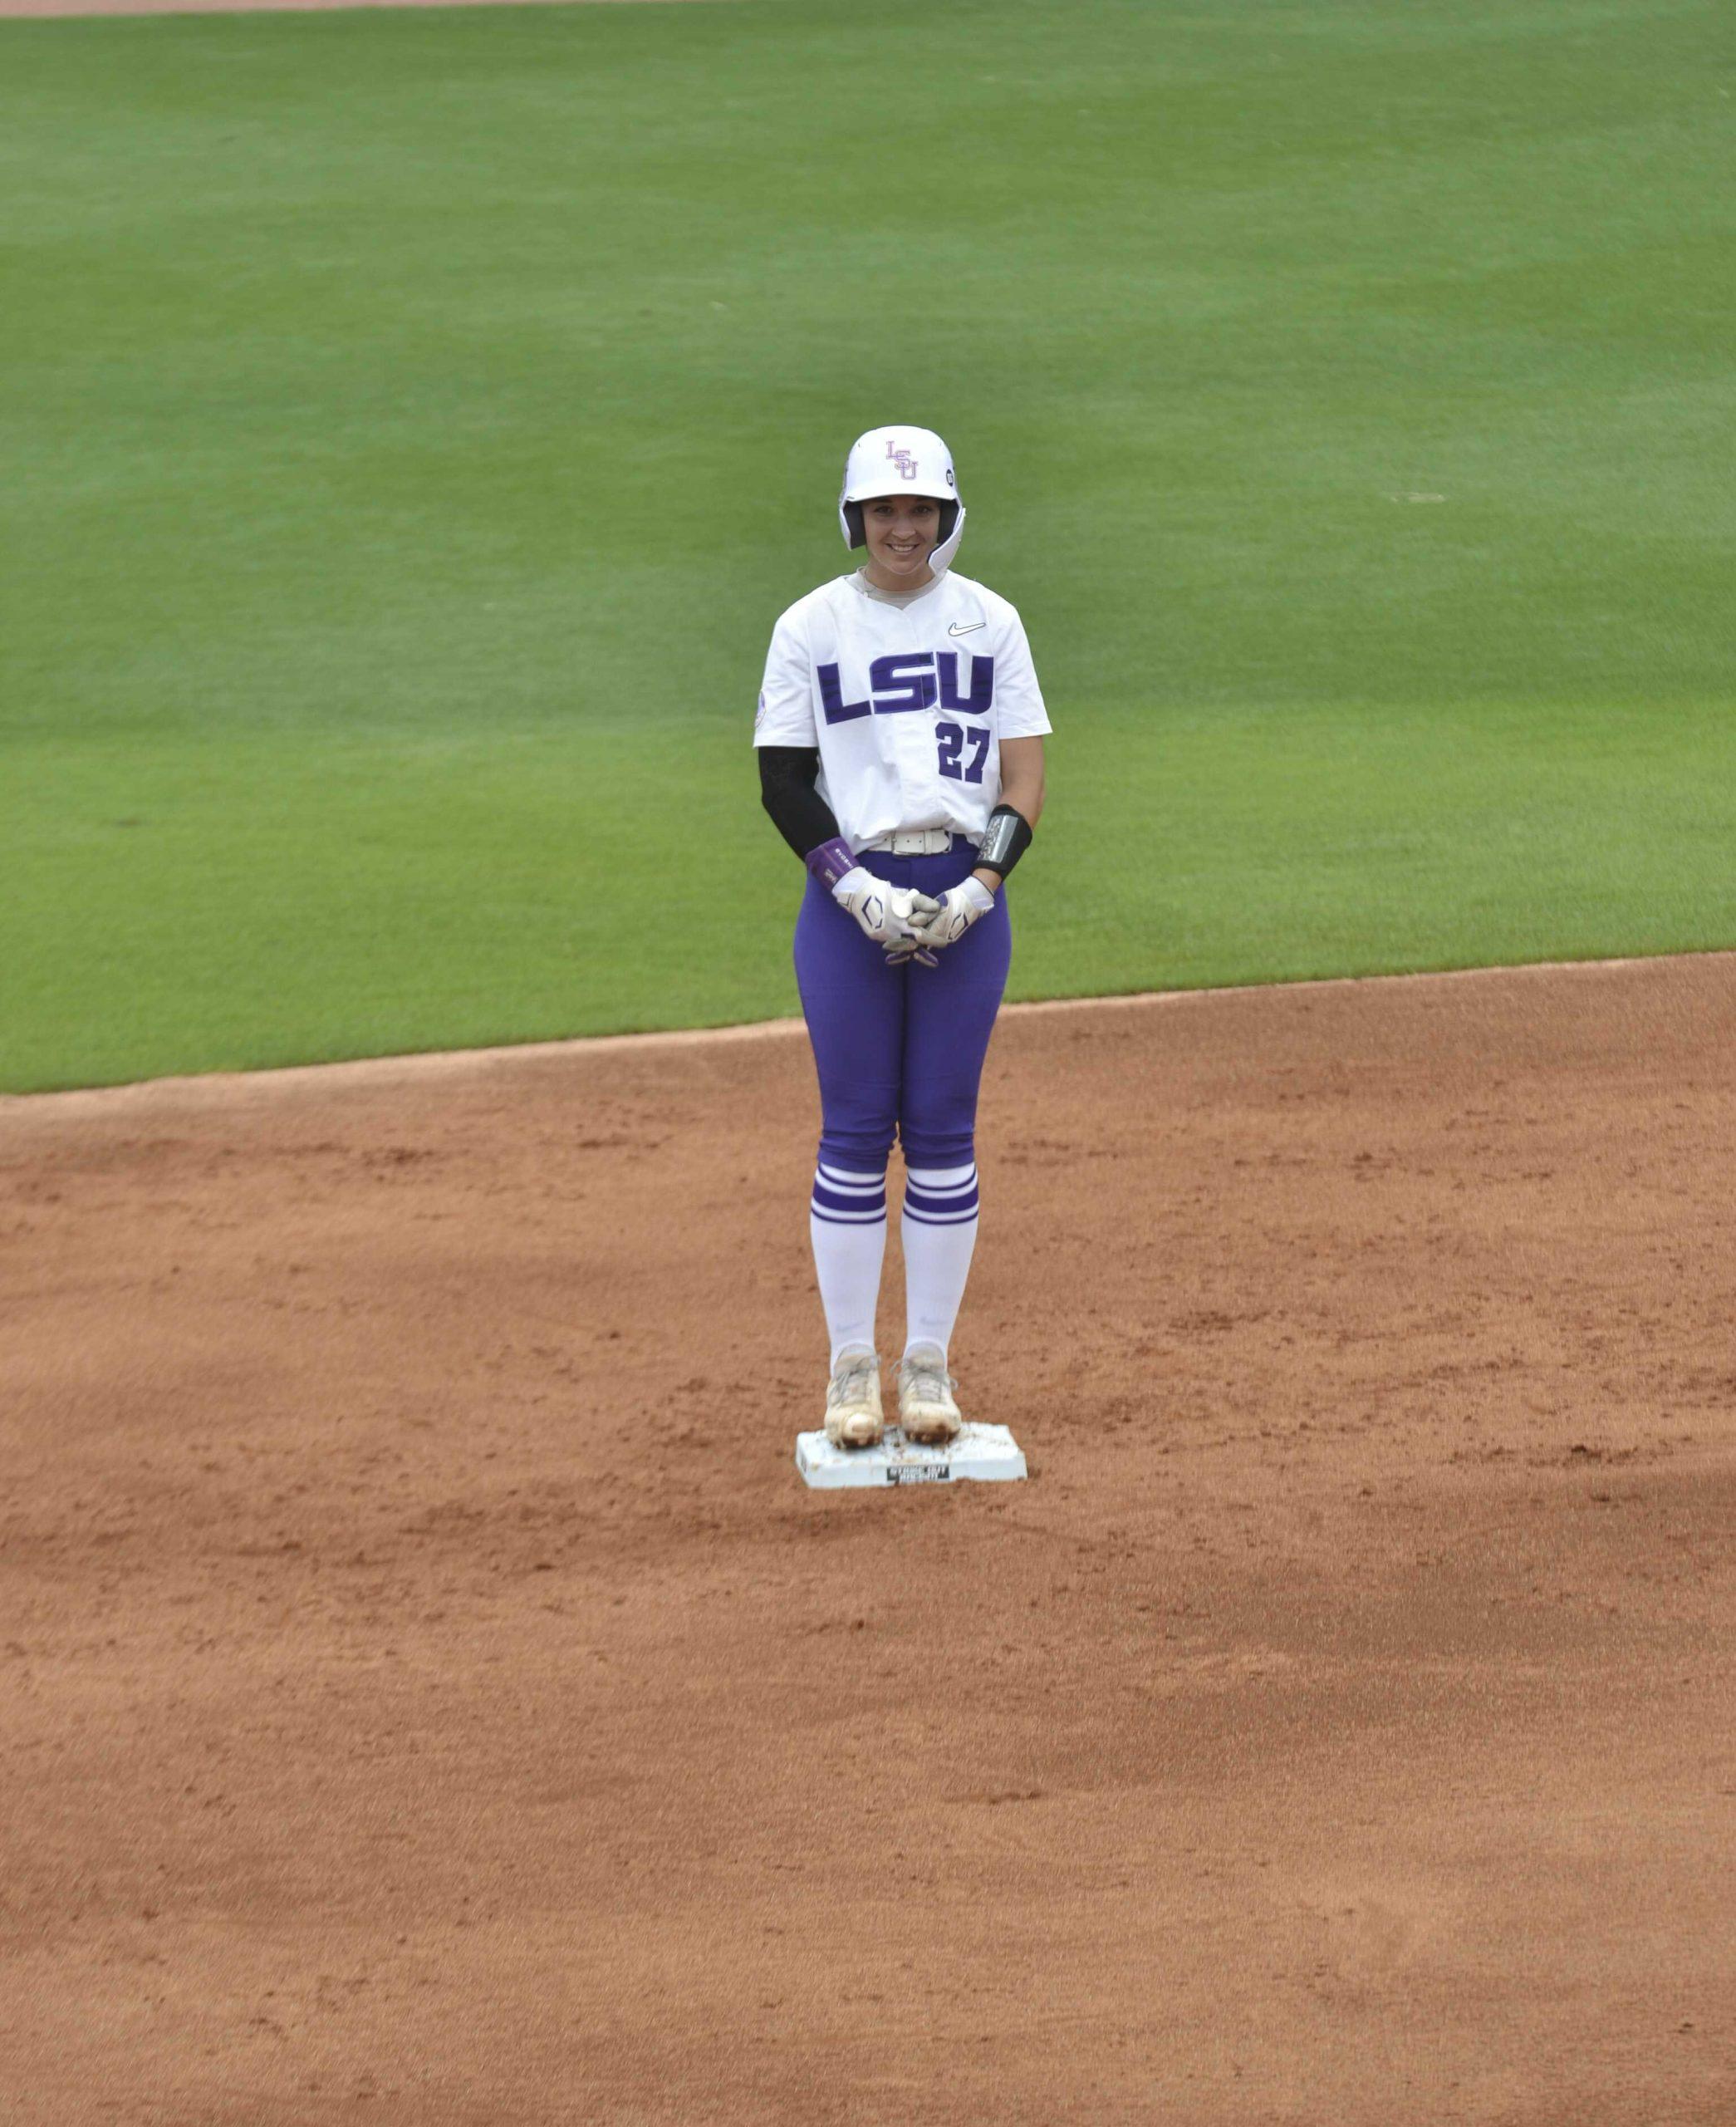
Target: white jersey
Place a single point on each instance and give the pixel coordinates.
(908, 700)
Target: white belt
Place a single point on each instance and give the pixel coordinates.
(916, 842)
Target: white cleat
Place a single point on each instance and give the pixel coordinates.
(926, 1409)
(853, 1400)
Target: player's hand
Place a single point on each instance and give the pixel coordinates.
(953, 915)
(888, 915)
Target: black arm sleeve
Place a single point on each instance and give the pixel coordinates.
(787, 775)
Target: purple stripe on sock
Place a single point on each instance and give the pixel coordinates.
(927, 1218)
(836, 1219)
(834, 1200)
(842, 1178)
(924, 1199)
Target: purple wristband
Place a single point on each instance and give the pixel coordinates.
(831, 861)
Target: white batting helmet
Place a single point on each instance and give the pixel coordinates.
(908, 462)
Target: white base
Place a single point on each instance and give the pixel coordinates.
(981, 1451)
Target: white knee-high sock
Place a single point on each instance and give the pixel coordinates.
(847, 1225)
(939, 1232)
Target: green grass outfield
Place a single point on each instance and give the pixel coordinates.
(414, 422)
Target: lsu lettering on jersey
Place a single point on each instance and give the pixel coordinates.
(908, 700)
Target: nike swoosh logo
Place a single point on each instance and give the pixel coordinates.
(969, 627)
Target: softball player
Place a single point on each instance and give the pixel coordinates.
(900, 732)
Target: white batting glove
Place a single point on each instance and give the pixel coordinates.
(957, 909)
(886, 914)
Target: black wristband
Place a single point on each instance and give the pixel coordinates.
(1006, 840)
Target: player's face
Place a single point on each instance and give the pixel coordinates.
(903, 531)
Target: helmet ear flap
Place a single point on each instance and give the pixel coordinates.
(948, 519)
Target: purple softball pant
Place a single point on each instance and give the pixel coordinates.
(900, 1050)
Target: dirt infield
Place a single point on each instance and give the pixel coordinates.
(430, 1695)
